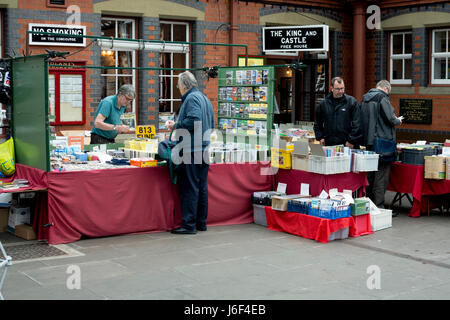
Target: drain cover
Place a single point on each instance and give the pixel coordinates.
(21, 252)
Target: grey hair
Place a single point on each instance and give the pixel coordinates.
(384, 84)
(336, 79)
(187, 80)
(127, 90)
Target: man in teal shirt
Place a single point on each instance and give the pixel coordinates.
(107, 124)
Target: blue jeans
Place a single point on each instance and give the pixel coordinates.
(193, 188)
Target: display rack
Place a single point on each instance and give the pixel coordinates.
(245, 104)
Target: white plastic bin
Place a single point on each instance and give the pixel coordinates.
(365, 162)
(329, 165)
(381, 219)
(259, 215)
(340, 234)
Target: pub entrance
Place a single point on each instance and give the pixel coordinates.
(299, 91)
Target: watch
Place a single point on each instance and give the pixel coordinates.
(114, 128)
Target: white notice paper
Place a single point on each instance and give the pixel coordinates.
(333, 192)
(281, 187)
(304, 189)
(421, 142)
(323, 195)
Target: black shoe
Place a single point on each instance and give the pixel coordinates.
(182, 230)
(201, 228)
(394, 214)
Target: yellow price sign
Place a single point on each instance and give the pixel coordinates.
(145, 132)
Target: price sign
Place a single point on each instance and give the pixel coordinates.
(145, 132)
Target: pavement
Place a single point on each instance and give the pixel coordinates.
(409, 261)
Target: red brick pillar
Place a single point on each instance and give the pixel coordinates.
(359, 49)
(232, 55)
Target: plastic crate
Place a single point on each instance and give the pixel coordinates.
(329, 165)
(340, 234)
(416, 156)
(381, 219)
(360, 206)
(259, 215)
(298, 206)
(365, 162)
(332, 214)
(363, 224)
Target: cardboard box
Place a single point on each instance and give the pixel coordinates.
(18, 215)
(4, 214)
(435, 167)
(25, 231)
(447, 168)
(82, 133)
(280, 203)
(300, 156)
(143, 162)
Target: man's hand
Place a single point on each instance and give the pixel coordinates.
(348, 144)
(322, 142)
(170, 124)
(123, 128)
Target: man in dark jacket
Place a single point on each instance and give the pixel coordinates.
(337, 117)
(195, 122)
(378, 120)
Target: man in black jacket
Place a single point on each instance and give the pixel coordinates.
(337, 117)
(378, 121)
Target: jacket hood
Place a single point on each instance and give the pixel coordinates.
(373, 93)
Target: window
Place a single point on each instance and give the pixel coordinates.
(440, 63)
(170, 100)
(401, 58)
(112, 79)
(67, 91)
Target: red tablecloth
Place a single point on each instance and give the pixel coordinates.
(307, 226)
(108, 202)
(408, 178)
(318, 182)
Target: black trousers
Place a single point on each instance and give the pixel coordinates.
(378, 183)
(193, 189)
(96, 139)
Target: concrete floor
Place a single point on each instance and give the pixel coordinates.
(247, 262)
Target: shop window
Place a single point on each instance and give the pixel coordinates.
(170, 98)
(440, 62)
(67, 94)
(401, 57)
(112, 79)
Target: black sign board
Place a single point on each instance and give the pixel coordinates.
(296, 38)
(61, 38)
(416, 110)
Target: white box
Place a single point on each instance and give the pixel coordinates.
(18, 215)
(5, 199)
(380, 219)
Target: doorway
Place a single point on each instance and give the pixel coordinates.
(299, 92)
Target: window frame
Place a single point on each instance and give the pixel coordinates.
(57, 72)
(440, 55)
(54, 5)
(116, 55)
(172, 76)
(402, 57)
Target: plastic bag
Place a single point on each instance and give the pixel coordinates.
(7, 159)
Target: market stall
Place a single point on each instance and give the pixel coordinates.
(409, 179)
(107, 202)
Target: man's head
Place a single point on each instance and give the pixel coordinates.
(186, 81)
(384, 85)
(337, 87)
(125, 95)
